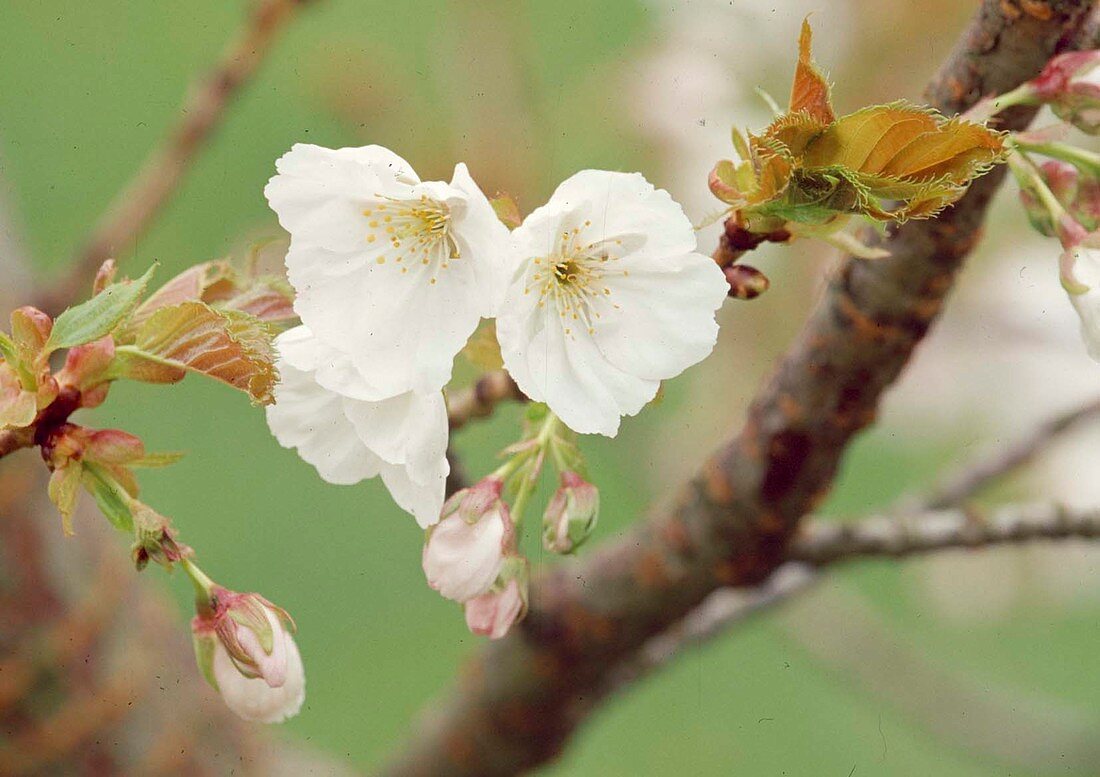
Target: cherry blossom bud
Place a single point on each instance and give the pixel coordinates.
(745, 282)
(86, 365)
(465, 550)
(1070, 83)
(155, 539)
(1080, 266)
(493, 613)
(245, 650)
(571, 514)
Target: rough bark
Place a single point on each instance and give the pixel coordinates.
(519, 700)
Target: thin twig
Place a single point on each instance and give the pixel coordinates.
(961, 485)
(12, 440)
(481, 399)
(135, 206)
(824, 543)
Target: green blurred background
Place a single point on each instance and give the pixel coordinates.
(978, 668)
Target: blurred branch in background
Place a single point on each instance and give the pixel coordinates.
(133, 209)
(95, 672)
(523, 697)
(482, 398)
(964, 483)
(936, 521)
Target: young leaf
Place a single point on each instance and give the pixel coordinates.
(226, 345)
(483, 350)
(157, 460)
(112, 498)
(98, 316)
(63, 490)
(18, 407)
(507, 210)
(268, 298)
(810, 91)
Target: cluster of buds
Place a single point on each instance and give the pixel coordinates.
(211, 320)
(1061, 197)
(1070, 85)
(245, 650)
(472, 554)
(470, 557)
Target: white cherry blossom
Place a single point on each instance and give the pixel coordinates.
(392, 271)
(1081, 279)
(321, 409)
(608, 298)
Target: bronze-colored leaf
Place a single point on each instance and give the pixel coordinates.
(226, 345)
(810, 91)
(957, 150)
(866, 140)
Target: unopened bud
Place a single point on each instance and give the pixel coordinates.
(745, 282)
(571, 514)
(244, 648)
(1070, 84)
(155, 539)
(494, 612)
(465, 551)
(86, 365)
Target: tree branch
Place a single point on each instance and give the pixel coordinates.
(826, 543)
(959, 486)
(136, 205)
(521, 699)
(482, 398)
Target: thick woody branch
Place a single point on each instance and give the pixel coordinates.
(135, 206)
(522, 698)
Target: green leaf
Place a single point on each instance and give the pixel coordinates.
(63, 490)
(226, 345)
(98, 316)
(7, 349)
(111, 497)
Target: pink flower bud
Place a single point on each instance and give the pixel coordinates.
(245, 650)
(465, 550)
(1070, 83)
(86, 365)
(493, 613)
(571, 514)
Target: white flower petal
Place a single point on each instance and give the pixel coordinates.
(607, 299)
(617, 206)
(319, 194)
(486, 238)
(311, 418)
(403, 438)
(567, 372)
(251, 697)
(390, 270)
(664, 322)
(401, 330)
(422, 498)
